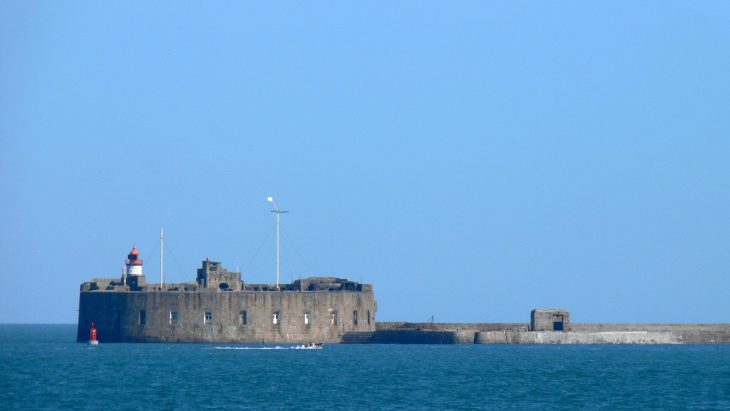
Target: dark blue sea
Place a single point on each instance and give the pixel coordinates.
(42, 367)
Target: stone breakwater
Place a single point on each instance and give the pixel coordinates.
(556, 337)
(516, 333)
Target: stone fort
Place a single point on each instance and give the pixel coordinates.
(219, 307)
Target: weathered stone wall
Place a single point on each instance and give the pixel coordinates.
(413, 337)
(516, 333)
(117, 316)
(685, 333)
(384, 326)
(557, 337)
(648, 327)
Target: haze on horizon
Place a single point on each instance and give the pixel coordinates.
(471, 160)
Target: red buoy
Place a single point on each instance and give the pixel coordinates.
(92, 335)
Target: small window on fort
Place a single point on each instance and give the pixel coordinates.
(242, 318)
(208, 317)
(354, 317)
(368, 317)
(333, 318)
(142, 317)
(275, 318)
(307, 318)
(173, 317)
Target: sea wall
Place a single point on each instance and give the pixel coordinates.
(431, 333)
(517, 333)
(422, 337)
(685, 333)
(557, 337)
(226, 317)
(403, 325)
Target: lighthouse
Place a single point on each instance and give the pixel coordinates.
(134, 264)
(134, 277)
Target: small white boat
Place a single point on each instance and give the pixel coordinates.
(93, 342)
(310, 346)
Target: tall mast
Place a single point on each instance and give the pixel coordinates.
(278, 214)
(278, 229)
(162, 258)
(238, 269)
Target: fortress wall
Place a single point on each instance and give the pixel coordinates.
(104, 309)
(117, 316)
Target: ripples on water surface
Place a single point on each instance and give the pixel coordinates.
(41, 367)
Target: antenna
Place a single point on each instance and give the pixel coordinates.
(162, 258)
(278, 214)
(238, 268)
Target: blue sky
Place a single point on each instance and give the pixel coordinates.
(472, 160)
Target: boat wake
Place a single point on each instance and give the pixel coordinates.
(254, 348)
(296, 347)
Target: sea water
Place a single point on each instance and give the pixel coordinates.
(42, 367)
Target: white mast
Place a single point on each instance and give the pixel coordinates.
(278, 213)
(162, 258)
(238, 269)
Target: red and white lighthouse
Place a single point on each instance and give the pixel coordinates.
(134, 264)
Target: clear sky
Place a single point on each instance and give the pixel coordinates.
(472, 160)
